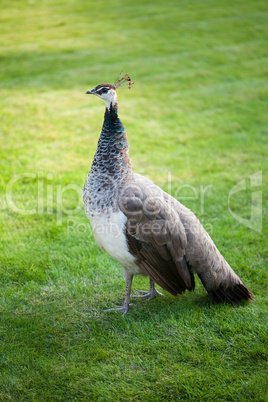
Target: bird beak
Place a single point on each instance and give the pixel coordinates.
(92, 92)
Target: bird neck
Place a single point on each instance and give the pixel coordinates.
(111, 157)
(112, 102)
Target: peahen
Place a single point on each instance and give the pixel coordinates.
(145, 229)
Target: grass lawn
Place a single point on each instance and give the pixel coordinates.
(197, 124)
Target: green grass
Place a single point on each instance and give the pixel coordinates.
(198, 114)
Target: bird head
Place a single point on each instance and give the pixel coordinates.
(107, 92)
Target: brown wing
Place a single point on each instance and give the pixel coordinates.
(156, 237)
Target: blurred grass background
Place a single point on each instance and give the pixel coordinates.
(196, 117)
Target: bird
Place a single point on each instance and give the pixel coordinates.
(145, 229)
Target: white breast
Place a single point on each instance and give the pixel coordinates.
(109, 233)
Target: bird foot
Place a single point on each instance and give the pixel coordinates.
(124, 309)
(148, 294)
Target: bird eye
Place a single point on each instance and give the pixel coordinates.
(104, 90)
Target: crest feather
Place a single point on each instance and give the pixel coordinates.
(123, 81)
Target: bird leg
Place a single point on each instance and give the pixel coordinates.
(149, 294)
(124, 309)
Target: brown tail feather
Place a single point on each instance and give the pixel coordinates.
(234, 294)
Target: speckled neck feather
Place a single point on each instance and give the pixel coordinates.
(111, 157)
(111, 164)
